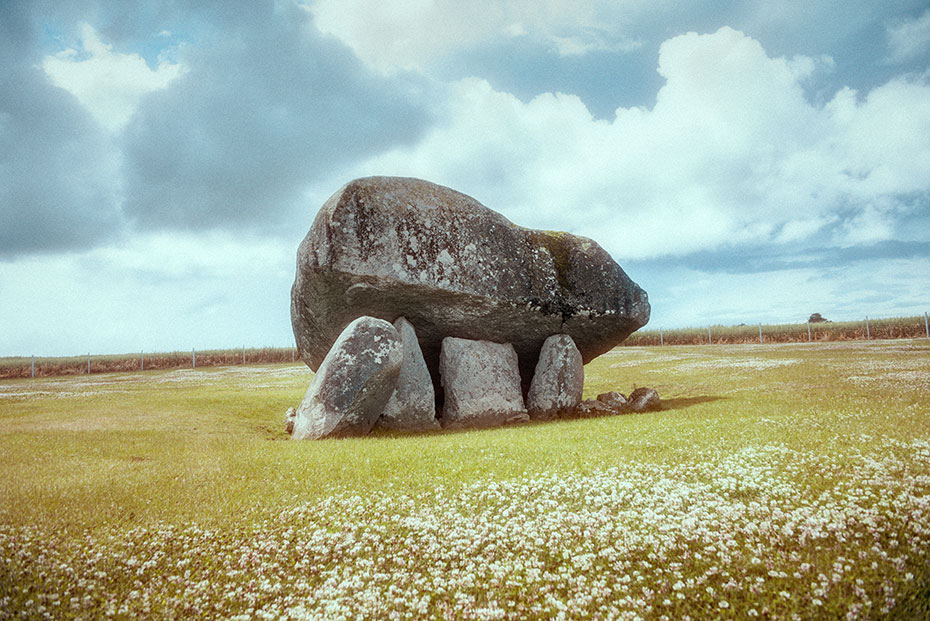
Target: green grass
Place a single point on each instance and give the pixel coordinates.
(768, 462)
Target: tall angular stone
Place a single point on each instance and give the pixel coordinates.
(481, 380)
(353, 383)
(389, 247)
(558, 382)
(412, 406)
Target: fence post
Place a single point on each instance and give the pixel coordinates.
(292, 354)
(88, 363)
(868, 335)
(243, 354)
(142, 359)
(709, 341)
(808, 332)
(927, 325)
(193, 358)
(760, 334)
(661, 339)
(33, 365)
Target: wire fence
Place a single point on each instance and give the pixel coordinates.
(867, 329)
(87, 364)
(810, 332)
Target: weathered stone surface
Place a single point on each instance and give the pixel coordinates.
(390, 247)
(592, 407)
(645, 400)
(481, 382)
(613, 399)
(289, 418)
(412, 406)
(353, 383)
(558, 380)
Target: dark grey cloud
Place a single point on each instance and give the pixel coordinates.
(268, 106)
(57, 168)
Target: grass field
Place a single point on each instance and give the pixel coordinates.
(780, 481)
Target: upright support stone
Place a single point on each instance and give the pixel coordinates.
(354, 382)
(481, 380)
(412, 406)
(559, 379)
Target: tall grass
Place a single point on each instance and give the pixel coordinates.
(888, 328)
(20, 366)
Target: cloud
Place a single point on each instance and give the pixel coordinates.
(266, 108)
(688, 296)
(125, 126)
(909, 39)
(109, 84)
(152, 292)
(732, 153)
(414, 35)
(59, 185)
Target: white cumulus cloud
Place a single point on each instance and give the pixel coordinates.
(412, 34)
(107, 83)
(732, 152)
(908, 39)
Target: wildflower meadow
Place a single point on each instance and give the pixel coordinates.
(786, 481)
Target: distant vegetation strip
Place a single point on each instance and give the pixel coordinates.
(11, 367)
(889, 328)
(893, 328)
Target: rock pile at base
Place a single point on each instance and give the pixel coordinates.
(644, 400)
(609, 403)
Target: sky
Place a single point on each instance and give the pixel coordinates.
(744, 162)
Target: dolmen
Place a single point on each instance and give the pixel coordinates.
(419, 307)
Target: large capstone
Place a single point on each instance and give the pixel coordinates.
(390, 247)
(481, 382)
(354, 382)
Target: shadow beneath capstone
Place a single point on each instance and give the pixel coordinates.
(668, 405)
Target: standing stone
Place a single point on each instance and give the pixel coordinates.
(559, 379)
(392, 247)
(353, 383)
(412, 406)
(482, 383)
